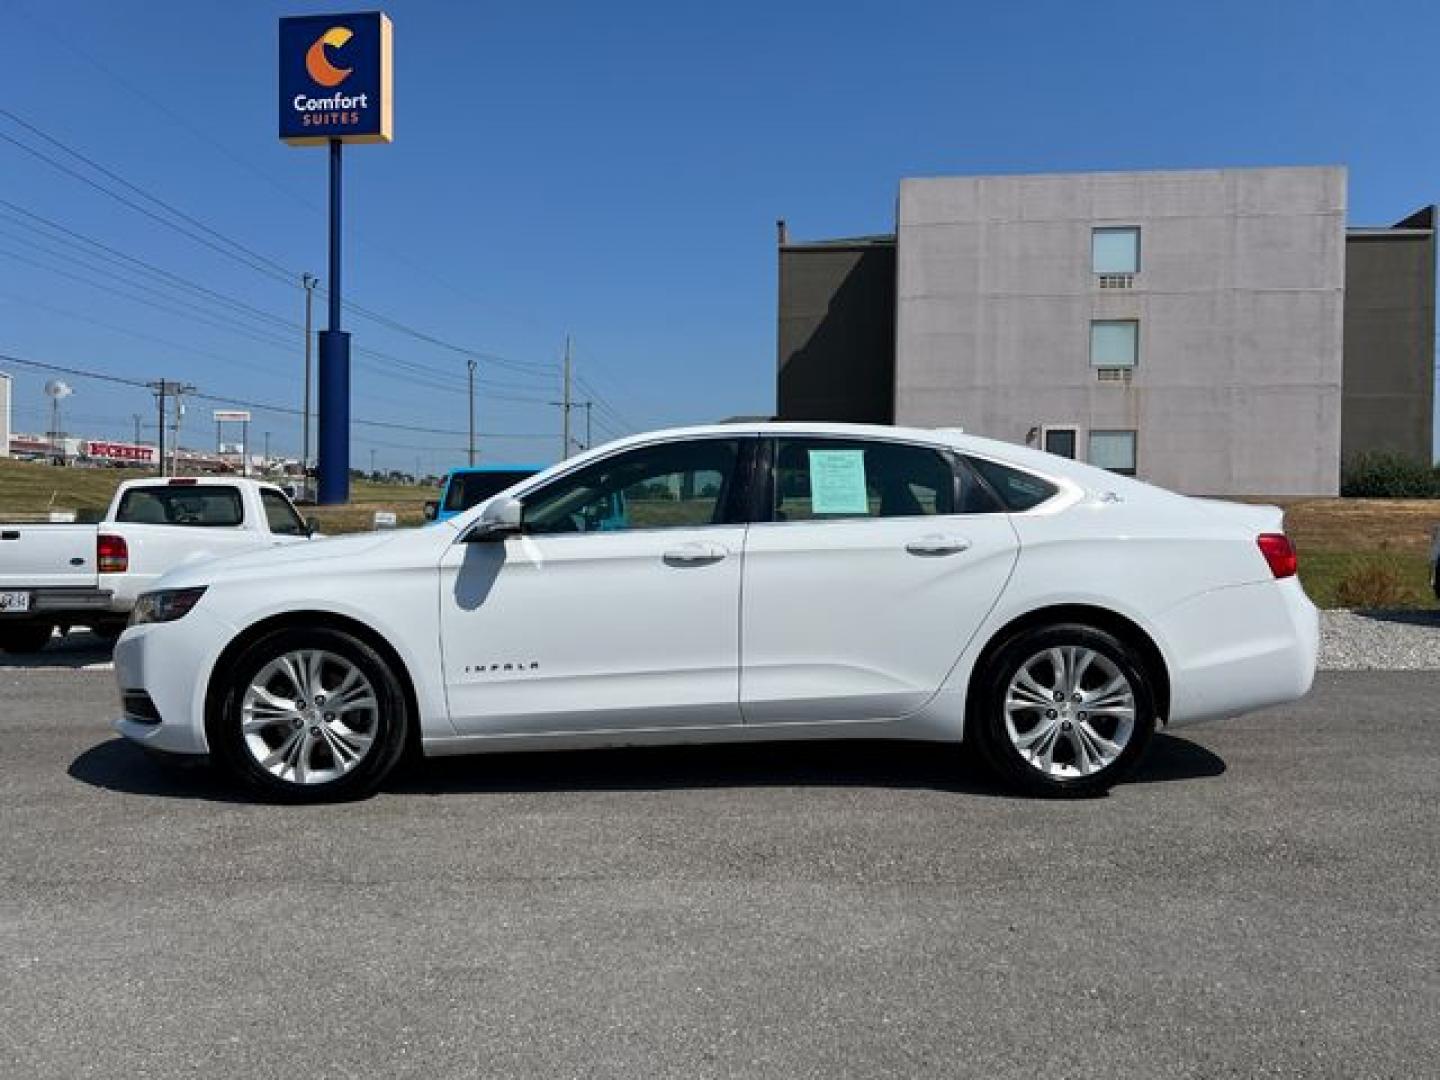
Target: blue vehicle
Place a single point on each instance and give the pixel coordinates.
(467, 487)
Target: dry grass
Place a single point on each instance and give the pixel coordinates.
(1403, 526)
(28, 490)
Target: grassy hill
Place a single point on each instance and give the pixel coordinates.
(29, 490)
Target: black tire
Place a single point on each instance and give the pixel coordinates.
(25, 637)
(986, 723)
(392, 719)
(108, 631)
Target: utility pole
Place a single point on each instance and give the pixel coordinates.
(588, 406)
(137, 418)
(166, 388)
(308, 283)
(372, 463)
(159, 388)
(565, 404)
(470, 364)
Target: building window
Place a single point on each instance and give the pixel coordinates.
(1114, 343)
(1061, 441)
(1113, 450)
(1115, 251)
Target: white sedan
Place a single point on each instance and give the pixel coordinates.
(736, 583)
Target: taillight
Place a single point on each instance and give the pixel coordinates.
(112, 556)
(1279, 553)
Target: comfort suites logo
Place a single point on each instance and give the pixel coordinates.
(335, 78)
(318, 64)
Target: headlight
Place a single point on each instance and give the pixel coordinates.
(167, 605)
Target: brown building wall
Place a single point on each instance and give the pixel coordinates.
(836, 340)
(1388, 395)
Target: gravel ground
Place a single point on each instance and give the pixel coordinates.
(1380, 640)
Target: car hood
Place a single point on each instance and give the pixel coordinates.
(291, 559)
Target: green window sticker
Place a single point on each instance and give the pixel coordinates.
(837, 482)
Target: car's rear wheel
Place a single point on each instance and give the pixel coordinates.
(310, 715)
(25, 637)
(1063, 710)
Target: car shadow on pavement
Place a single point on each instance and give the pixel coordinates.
(75, 651)
(1407, 616)
(116, 765)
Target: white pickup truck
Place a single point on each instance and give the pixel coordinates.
(59, 576)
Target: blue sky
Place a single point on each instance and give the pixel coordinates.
(614, 171)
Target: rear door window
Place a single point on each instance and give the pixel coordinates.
(825, 479)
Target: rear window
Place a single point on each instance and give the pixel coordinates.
(471, 489)
(1017, 490)
(198, 506)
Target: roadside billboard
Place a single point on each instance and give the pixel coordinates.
(113, 451)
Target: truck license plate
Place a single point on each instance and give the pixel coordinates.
(14, 601)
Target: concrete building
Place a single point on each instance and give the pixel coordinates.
(1190, 327)
(5, 396)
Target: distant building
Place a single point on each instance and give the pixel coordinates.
(1218, 332)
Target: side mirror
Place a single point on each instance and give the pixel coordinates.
(500, 518)
(432, 509)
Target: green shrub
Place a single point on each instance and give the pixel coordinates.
(1375, 583)
(1389, 476)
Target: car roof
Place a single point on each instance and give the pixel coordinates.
(461, 470)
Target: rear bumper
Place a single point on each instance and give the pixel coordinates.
(1240, 649)
(55, 600)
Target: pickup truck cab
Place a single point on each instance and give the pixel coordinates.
(466, 488)
(58, 576)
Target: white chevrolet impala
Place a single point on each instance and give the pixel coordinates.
(736, 583)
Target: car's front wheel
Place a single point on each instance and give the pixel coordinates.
(310, 715)
(1063, 710)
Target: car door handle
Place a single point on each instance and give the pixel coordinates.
(695, 555)
(937, 544)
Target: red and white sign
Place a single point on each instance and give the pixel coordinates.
(111, 451)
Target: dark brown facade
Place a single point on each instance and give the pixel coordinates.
(1387, 399)
(837, 330)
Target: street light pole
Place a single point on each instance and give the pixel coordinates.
(308, 282)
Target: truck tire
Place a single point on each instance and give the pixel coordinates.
(25, 637)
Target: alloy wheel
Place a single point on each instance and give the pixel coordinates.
(1070, 712)
(309, 717)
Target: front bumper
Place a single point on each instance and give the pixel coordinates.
(171, 663)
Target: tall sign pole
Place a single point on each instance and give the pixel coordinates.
(336, 86)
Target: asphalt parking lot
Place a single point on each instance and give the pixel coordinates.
(1260, 901)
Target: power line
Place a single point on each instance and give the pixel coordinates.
(241, 253)
(258, 406)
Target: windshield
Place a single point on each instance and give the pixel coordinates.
(470, 489)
